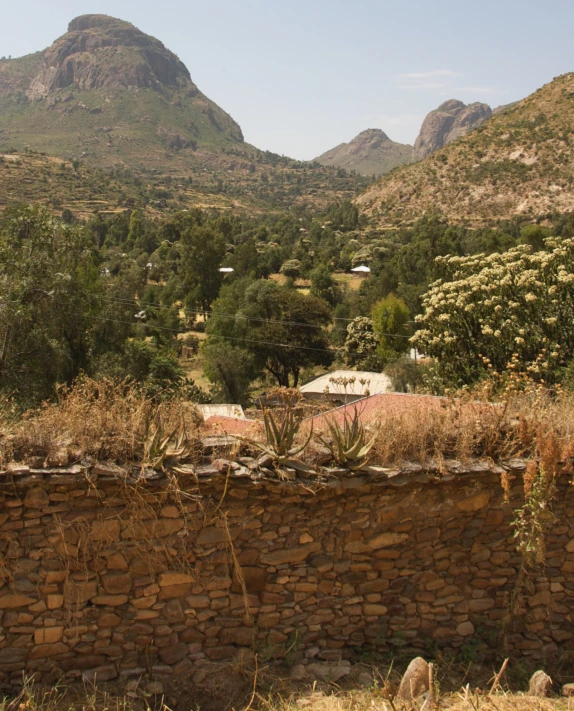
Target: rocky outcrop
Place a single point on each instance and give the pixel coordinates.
(451, 120)
(372, 152)
(101, 51)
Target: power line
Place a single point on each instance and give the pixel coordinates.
(230, 338)
(238, 315)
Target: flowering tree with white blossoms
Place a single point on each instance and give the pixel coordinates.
(502, 312)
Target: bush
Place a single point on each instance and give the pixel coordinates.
(510, 312)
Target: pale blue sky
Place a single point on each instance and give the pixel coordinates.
(301, 76)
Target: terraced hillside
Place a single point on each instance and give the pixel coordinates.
(519, 162)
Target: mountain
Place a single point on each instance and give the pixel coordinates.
(107, 96)
(451, 120)
(370, 153)
(519, 162)
(108, 92)
(373, 153)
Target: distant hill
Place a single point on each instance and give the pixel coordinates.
(84, 189)
(519, 162)
(451, 120)
(370, 153)
(373, 153)
(108, 96)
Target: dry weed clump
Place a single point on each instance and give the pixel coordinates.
(101, 419)
(523, 424)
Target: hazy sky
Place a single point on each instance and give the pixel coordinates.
(301, 76)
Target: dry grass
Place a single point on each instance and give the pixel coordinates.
(376, 701)
(94, 418)
(520, 426)
(92, 699)
(109, 421)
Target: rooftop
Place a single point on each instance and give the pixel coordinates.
(217, 424)
(347, 384)
(208, 411)
(371, 407)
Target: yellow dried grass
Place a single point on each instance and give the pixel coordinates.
(102, 419)
(464, 428)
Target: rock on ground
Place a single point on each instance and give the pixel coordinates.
(540, 684)
(415, 680)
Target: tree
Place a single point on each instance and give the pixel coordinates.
(47, 301)
(361, 343)
(505, 312)
(391, 318)
(291, 268)
(324, 286)
(230, 368)
(284, 330)
(203, 251)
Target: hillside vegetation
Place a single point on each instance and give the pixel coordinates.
(276, 184)
(370, 153)
(519, 162)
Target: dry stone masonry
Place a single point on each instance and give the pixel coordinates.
(105, 575)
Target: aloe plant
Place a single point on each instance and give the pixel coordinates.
(163, 450)
(348, 443)
(280, 434)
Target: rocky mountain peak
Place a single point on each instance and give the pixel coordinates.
(373, 135)
(449, 121)
(88, 22)
(371, 152)
(102, 51)
(451, 106)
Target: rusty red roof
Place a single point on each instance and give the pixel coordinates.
(376, 405)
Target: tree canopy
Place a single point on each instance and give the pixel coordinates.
(282, 328)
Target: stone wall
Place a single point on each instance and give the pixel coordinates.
(104, 576)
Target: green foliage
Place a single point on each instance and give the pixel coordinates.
(348, 443)
(506, 312)
(230, 369)
(567, 376)
(324, 286)
(391, 318)
(47, 284)
(406, 375)
(291, 268)
(203, 250)
(361, 342)
(283, 329)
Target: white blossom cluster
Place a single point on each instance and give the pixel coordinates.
(487, 309)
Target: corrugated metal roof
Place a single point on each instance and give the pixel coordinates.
(221, 411)
(359, 383)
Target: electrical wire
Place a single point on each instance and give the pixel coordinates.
(236, 315)
(229, 338)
